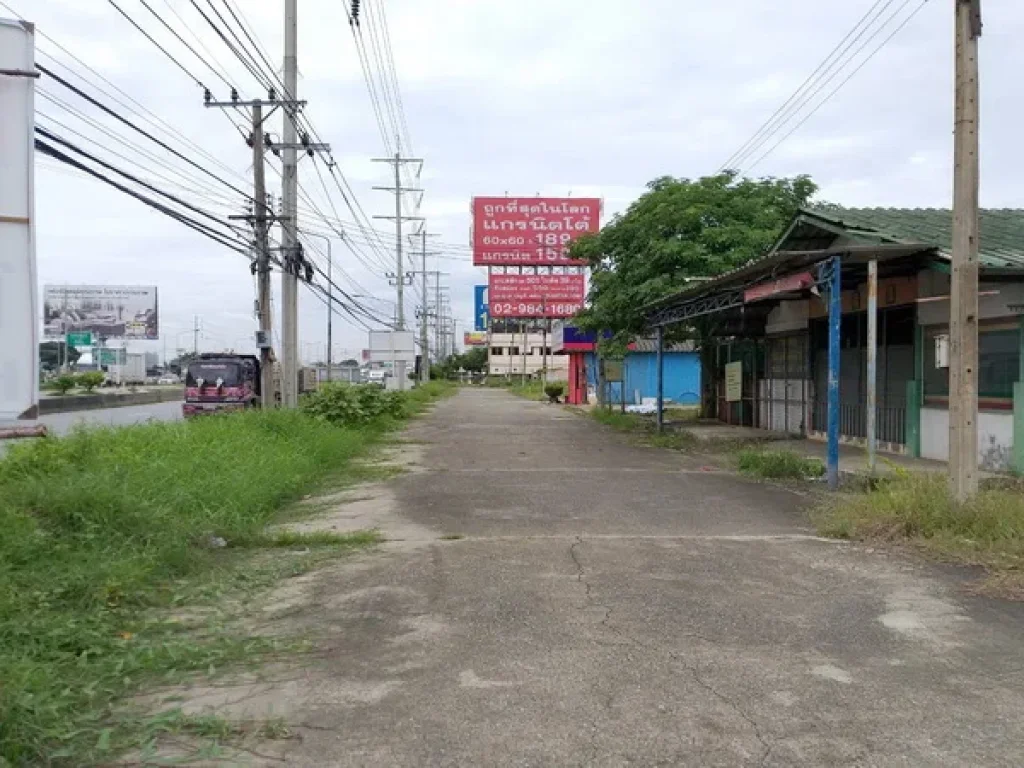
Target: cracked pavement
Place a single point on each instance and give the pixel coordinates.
(611, 605)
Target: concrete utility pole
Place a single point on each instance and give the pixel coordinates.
(289, 196)
(400, 277)
(195, 334)
(424, 350)
(261, 224)
(963, 318)
(330, 295)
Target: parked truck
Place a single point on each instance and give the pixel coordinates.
(222, 381)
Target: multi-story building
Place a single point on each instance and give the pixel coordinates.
(510, 352)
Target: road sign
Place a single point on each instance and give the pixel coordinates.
(481, 314)
(79, 339)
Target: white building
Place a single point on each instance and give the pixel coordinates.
(509, 352)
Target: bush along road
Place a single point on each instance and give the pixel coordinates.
(111, 535)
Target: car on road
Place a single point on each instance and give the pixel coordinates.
(168, 378)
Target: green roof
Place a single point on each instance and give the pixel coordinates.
(1002, 229)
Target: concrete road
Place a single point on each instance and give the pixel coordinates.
(615, 605)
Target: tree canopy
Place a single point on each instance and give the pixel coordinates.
(681, 229)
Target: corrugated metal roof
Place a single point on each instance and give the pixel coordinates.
(1002, 229)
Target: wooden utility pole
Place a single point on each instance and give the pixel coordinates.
(963, 317)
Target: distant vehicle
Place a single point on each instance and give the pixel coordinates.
(218, 382)
(168, 378)
(377, 376)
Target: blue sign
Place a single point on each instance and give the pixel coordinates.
(482, 310)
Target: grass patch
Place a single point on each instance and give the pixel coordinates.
(107, 529)
(624, 422)
(778, 464)
(916, 508)
(295, 539)
(531, 390)
(452, 537)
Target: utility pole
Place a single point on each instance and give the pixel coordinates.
(963, 318)
(261, 219)
(260, 226)
(398, 161)
(424, 351)
(289, 195)
(195, 335)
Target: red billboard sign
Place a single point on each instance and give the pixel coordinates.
(530, 230)
(536, 295)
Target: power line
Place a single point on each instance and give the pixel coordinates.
(739, 153)
(82, 94)
(847, 79)
(184, 42)
(217, 237)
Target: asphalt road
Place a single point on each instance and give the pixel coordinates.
(61, 423)
(613, 605)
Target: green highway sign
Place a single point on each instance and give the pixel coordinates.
(79, 339)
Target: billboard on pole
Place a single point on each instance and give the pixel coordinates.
(19, 315)
(536, 295)
(474, 339)
(533, 231)
(107, 311)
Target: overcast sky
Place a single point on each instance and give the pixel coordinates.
(588, 97)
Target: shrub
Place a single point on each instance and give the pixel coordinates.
(89, 381)
(344, 404)
(554, 390)
(64, 384)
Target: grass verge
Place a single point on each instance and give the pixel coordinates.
(644, 428)
(105, 529)
(916, 508)
(778, 465)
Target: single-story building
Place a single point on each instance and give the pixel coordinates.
(766, 358)
(636, 378)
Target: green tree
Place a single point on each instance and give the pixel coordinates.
(50, 353)
(678, 230)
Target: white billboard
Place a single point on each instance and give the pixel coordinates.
(19, 348)
(392, 347)
(107, 311)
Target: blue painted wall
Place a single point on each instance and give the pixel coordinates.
(682, 377)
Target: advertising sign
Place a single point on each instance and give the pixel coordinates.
(111, 356)
(481, 314)
(530, 230)
(536, 295)
(107, 311)
(733, 382)
(474, 339)
(19, 313)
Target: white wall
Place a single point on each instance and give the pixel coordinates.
(995, 437)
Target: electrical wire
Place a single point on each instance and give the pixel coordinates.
(839, 87)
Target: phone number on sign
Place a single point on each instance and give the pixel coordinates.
(531, 309)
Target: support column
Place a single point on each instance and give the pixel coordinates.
(661, 379)
(872, 375)
(1018, 407)
(835, 315)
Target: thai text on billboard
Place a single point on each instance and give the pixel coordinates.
(530, 230)
(536, 295)
(107, 311)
